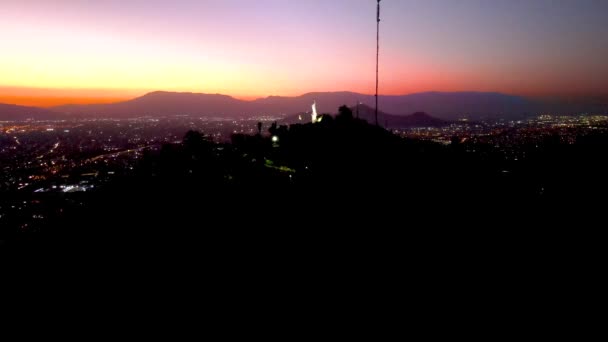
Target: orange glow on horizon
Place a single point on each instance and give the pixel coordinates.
(49, 97)
(36, 101)
(70, 51)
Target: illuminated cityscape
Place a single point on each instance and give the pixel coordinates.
(56, 158)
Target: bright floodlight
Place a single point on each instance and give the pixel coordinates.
(275, 138)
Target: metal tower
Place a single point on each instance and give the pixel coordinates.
(377, 54)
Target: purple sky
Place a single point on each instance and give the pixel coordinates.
(251, 48)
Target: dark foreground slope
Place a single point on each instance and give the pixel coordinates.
(338, 186)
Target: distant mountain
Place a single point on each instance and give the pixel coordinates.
(418, 119)
(10, 112)
(452, 106)
(161, 103)
(448, 106)
(445, 106)
(327, 102)
(572, 104)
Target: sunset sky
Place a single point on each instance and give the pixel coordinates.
(77, 51)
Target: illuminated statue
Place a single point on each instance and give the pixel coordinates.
(314, 111)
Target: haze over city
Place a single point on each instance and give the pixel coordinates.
(69, 51)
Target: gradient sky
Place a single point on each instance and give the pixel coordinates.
(98, 51)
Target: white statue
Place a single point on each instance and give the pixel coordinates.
(314, 111)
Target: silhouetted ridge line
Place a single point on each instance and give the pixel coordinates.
(15, 112)
(447, 106)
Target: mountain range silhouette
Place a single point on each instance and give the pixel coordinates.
(442, 105)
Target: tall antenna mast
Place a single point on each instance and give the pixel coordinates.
(377, 55)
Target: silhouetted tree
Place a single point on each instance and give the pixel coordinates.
(345, 113)
(260, 127)
(273, 128)
(194, 140)
(326, 118)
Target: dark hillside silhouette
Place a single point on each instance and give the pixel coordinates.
(337, 180)
(418, 119)
(389, 121)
